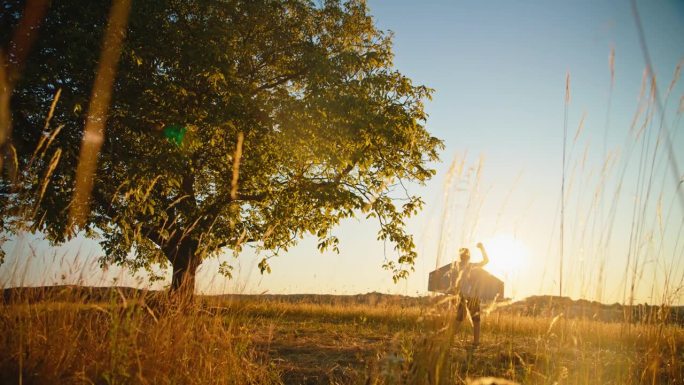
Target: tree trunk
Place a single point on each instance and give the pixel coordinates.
(185, 266)
(183, 277)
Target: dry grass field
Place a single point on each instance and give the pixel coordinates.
(125, 337)
(331, 131)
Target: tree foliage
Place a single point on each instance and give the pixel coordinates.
(329, 129)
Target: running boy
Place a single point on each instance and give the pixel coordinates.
(466, 299)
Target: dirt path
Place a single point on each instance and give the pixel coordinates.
(319, 352)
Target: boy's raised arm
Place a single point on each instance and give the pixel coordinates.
(485, 257)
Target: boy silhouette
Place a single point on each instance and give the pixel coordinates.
(468, 300)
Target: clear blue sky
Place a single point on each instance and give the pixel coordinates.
(499, 71)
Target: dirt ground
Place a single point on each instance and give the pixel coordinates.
(319, 352)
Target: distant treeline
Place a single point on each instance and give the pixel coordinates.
(85, 294)
(535, 306)
(551, 306)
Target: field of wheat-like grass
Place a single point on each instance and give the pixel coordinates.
(148, 339)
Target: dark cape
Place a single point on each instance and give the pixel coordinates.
(478, 283)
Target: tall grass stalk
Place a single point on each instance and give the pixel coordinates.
(65, 337)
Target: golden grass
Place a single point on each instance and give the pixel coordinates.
(124, 342)
(540, 350)
(149, 340)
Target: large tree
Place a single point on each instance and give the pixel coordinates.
(293, 119)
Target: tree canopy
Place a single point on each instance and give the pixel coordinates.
(232, 122)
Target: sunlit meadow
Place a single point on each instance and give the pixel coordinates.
(582, 225)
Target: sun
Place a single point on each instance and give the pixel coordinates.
(508, 255)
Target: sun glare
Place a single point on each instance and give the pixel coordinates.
(507, 255)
